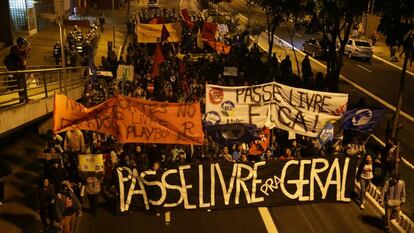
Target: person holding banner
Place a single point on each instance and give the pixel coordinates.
(141, 158)
(225, 155)
(287, 155)
(296, 149)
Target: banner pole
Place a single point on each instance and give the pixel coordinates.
(366, 140)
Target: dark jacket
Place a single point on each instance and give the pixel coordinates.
(60, 203)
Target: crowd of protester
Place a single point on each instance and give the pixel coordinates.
(181, 77)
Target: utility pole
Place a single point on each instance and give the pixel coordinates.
(408, 40)
(62, 47)
(113, 23)
(400, 96)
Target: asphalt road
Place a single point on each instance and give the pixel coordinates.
(316, 218)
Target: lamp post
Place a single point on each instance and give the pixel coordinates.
(113, 23)
(62, 47)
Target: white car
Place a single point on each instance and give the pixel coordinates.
(358, 48)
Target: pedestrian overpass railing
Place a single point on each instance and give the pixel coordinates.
(21, 87)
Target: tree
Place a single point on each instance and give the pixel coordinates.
(336, 18)
(277, 11)
(397, 24)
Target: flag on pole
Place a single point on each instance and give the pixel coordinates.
(158, 59)
(362, 119)
(230, 134)
(164, 33)
(326, 134)
(185, 14)
(209, 31)
(199, 40)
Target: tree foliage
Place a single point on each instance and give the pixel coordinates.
(336, 18)
(277, 11)
(397, 23)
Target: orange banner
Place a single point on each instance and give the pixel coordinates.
(220, 47)
(132, 120)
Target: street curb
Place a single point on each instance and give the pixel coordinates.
(410, 165)
(391, 64)
(374, 196)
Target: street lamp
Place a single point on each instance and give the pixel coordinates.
(113, 23)
(62, 48)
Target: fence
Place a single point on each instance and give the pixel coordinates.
(19, 87)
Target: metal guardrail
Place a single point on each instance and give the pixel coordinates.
(19, 87)
(33, 67)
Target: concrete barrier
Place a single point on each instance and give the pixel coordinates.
(374, 198)
(19, 115)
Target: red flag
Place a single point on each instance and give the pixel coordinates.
(258, 147)
(164, 33)
(219, 46)
(158, 59)
(209, 31)
(185, 15)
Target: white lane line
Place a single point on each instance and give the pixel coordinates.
(167, 218)
(392, 64)
(298, 35)
(410, 165)
(364, 68)
(267, 220)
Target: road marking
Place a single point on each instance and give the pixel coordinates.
(391, 64)
(410, 165)
(364, 68)
(267, 220)
(167, 218)
(298, 35)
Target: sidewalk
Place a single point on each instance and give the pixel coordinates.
(381, 51)
(42, 42)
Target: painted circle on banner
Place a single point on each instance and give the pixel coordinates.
(212, 118)
(216, 95)
(227, 106)
(362, 117)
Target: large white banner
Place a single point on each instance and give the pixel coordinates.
(273, 105)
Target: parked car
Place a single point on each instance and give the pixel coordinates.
(358, 48)
(314, 47)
